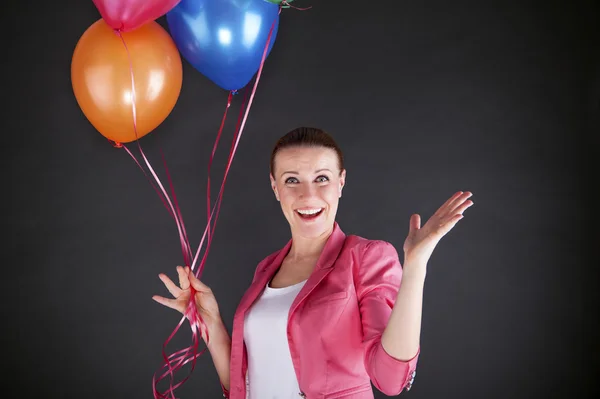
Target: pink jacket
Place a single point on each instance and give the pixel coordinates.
(335, 322)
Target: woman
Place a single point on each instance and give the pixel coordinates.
(326, 315)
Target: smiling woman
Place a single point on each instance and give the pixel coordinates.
(327, 315)
(307, 177)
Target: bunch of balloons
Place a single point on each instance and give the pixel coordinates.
(126, 74)
(126, 56)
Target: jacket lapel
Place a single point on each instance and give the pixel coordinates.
(324, 265)
(266, 272)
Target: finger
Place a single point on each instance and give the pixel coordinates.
(450, 200)
(455, 220)
(459, 201)
(170, 303)
(184, 281)
(463, 207)
(171, 286)
(443, 210)
(415, 223)
(455, 201)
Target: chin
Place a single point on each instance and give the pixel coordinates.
(311, 228)
(313, 232)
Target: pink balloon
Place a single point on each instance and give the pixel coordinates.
(127, 15)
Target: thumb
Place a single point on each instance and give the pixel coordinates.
(198, 285)
(415, 223)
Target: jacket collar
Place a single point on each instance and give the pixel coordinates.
(330, 252)
(324, 265)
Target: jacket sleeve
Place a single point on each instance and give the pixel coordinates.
(377, 277)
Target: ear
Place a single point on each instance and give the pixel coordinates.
(342, 181)
(274, 186)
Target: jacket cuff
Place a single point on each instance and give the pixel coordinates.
(393, 368)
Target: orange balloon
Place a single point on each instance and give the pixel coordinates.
(101, 78)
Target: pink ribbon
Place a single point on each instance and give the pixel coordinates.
(176, 360)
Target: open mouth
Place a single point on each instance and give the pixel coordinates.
(309, 214)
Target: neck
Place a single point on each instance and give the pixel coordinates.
(308, 247)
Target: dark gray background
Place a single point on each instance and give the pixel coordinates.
(425, 98)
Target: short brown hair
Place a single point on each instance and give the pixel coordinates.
(307, 137)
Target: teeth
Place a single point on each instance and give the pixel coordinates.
(309, 211)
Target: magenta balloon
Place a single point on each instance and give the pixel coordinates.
(127, 15)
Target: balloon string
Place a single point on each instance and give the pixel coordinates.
(186, 252)
(174, 209)
(214, 214)
(186, 247)
(178, 359)
(191, 312)
(212, 155)
(180, 356)
(236, 141)
(220, 196)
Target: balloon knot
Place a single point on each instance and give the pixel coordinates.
(234, 92)
(286, 4)
(116, 144)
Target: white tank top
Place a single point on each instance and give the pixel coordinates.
(271, 373)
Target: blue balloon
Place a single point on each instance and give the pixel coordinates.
(224, 39)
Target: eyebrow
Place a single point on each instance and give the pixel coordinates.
(296, 173)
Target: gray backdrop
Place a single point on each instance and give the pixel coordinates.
(425, 98)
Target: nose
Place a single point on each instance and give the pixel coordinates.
(307, 191)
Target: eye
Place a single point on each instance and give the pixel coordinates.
(322, 179)
(291, 180)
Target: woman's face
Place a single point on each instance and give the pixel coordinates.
(308, 184)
